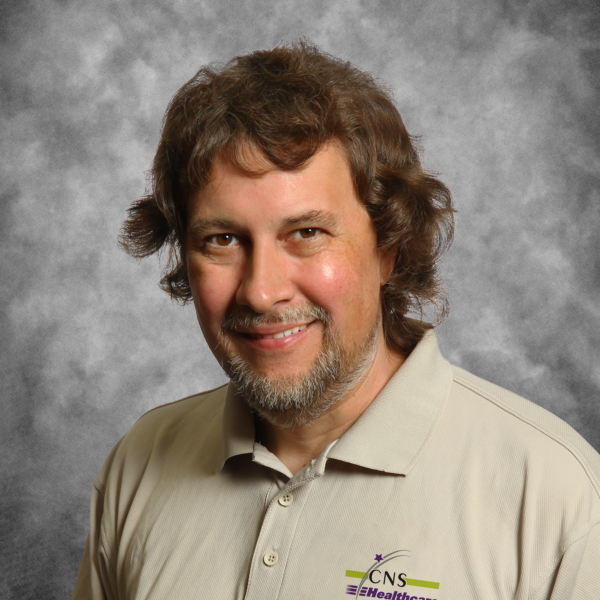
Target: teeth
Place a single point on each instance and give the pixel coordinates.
(281, 334)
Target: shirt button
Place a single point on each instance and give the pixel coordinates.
(271, 558)
(286, 499)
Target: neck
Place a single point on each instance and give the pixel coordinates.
(297, 447)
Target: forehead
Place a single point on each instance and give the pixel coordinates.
(323, 183)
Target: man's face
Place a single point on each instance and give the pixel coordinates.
(287, 250)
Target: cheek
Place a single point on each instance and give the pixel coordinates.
(347, 287)
(213, 290)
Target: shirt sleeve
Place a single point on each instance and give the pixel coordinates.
(578, 574)
(96, 579)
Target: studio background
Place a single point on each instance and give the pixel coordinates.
(505, 95)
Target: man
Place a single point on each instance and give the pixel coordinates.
(346, 457)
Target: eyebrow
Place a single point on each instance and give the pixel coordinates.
(311, 217)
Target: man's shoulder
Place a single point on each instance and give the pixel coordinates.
(170, 428)
(207, 405)
(529, 431)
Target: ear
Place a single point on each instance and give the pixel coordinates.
(387, 263)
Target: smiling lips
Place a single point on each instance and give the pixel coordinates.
(280, 334)
(276, 335)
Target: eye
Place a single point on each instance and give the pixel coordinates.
(222, 239)
(307, 233)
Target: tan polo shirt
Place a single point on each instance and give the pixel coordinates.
(447, 487)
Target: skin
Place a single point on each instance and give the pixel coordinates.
(257, 264)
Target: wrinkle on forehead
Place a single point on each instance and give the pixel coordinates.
(224, 173)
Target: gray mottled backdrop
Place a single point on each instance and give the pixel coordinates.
(505, 94)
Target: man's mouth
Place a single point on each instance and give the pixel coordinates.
(280, 334)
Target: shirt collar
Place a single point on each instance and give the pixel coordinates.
(394, 431)
(238, 426)
(239, 434)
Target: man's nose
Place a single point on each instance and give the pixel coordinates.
(265, 278)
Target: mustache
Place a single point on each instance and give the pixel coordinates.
(249, 318)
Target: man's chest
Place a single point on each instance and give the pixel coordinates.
(347, 533)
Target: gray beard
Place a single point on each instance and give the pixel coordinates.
(298, 400)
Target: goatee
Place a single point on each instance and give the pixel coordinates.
(298, 399)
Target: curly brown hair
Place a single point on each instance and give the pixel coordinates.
(286, 103)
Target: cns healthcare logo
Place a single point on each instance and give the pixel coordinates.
(375, 582)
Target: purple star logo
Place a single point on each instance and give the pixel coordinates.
(378, 557)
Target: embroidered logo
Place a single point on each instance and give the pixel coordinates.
(385, 577)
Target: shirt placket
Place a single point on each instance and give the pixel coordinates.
(276, 537)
